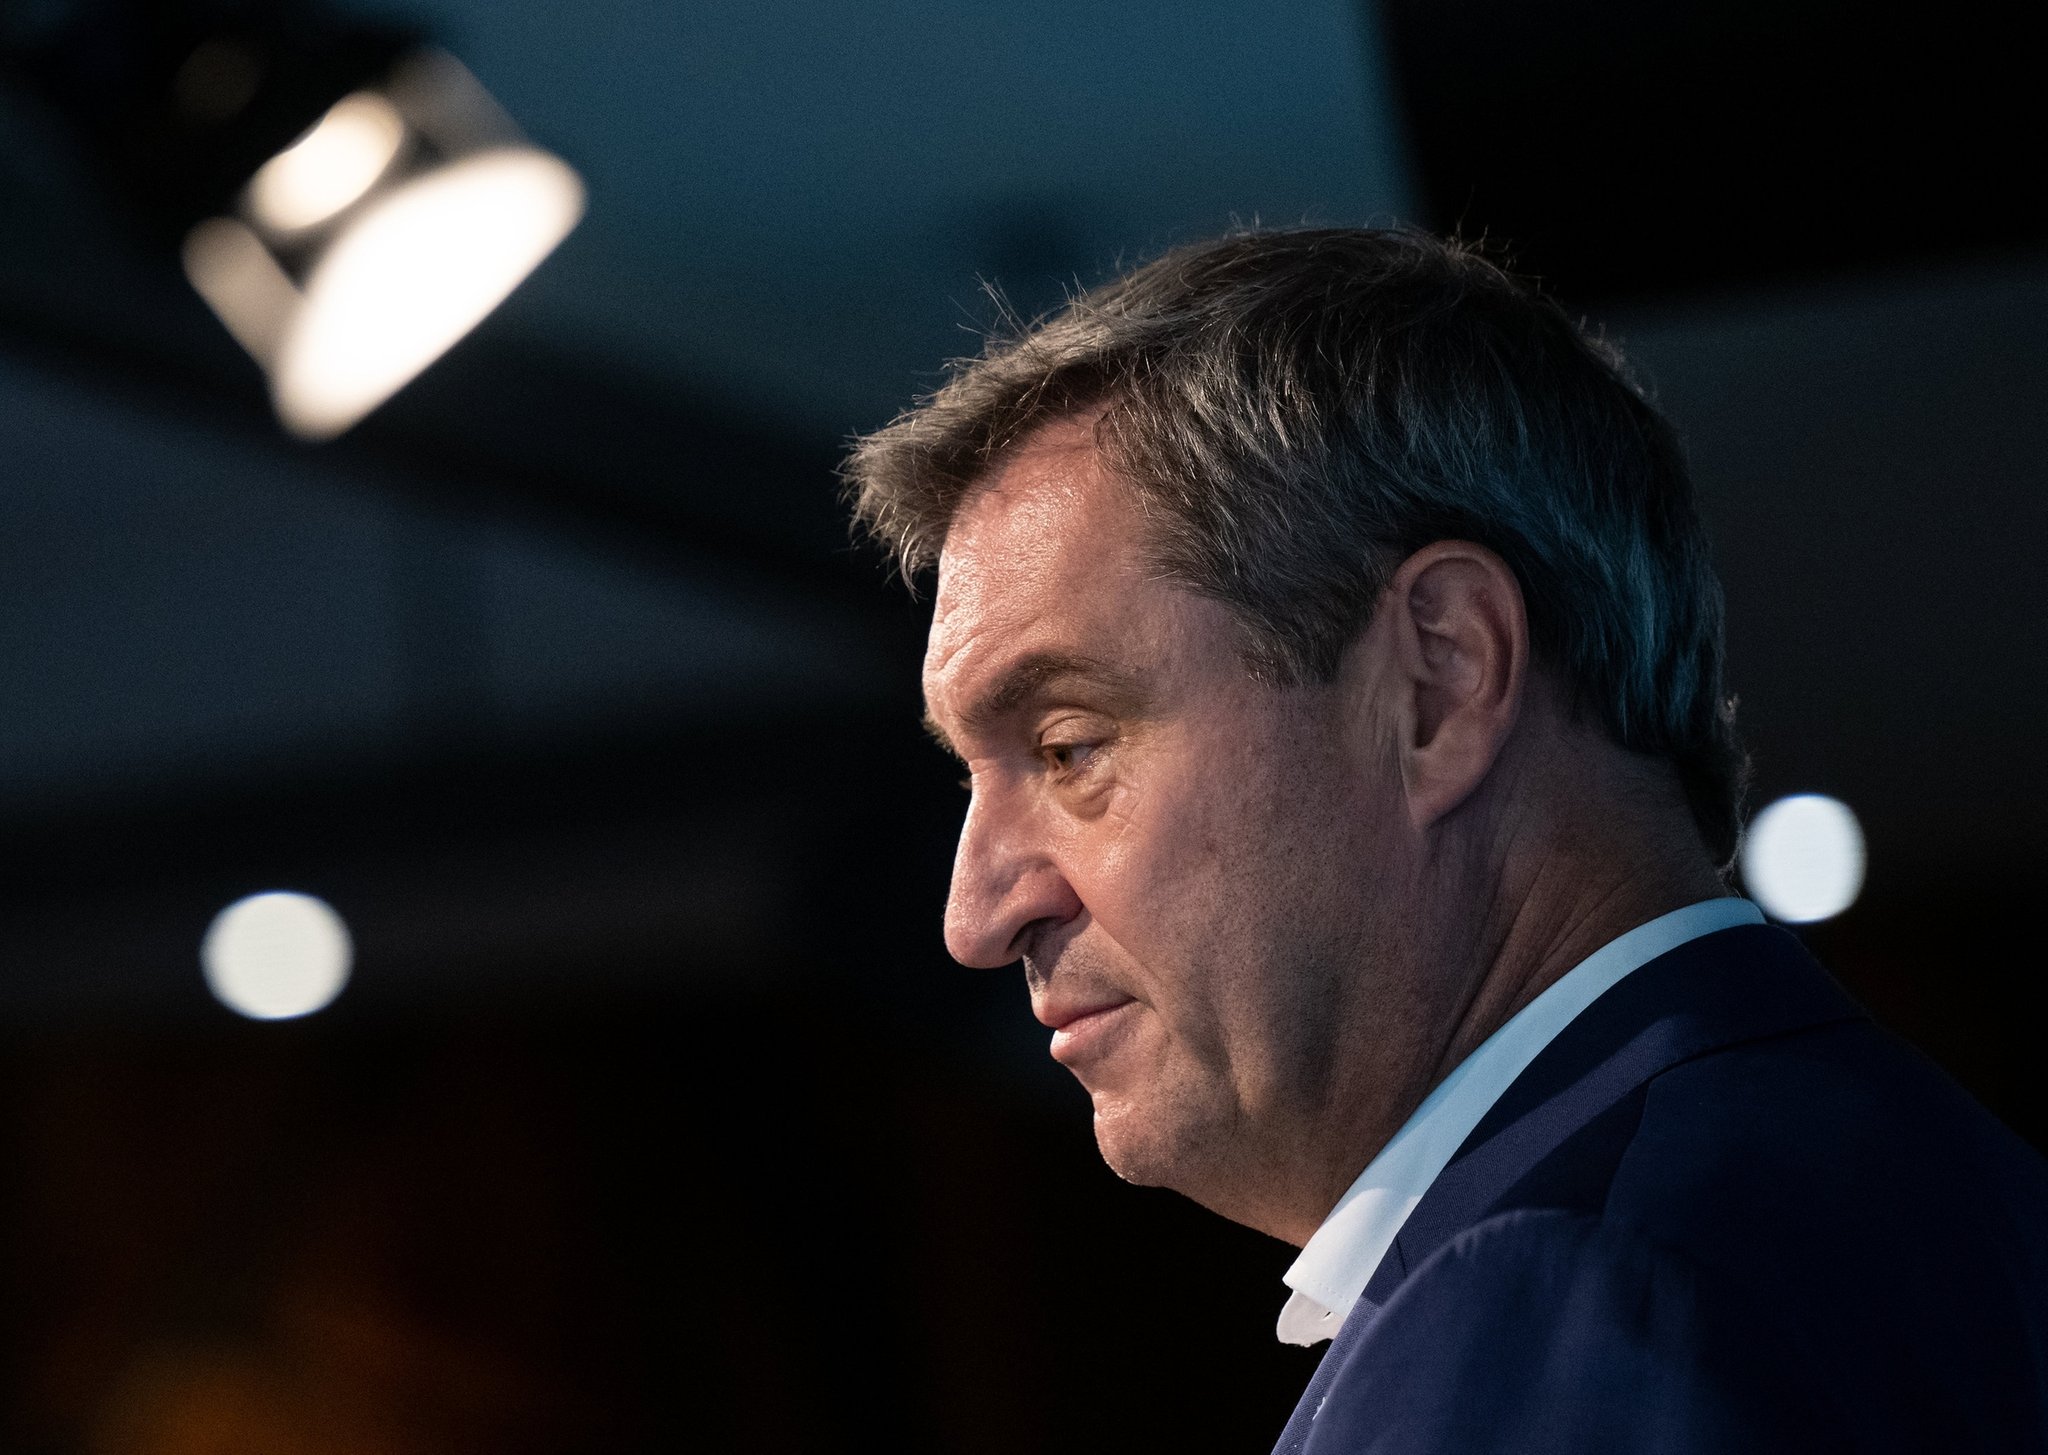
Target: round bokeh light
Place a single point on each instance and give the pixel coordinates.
(278, 955)
(1803, 858)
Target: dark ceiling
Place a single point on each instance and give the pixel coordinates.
(609, 516)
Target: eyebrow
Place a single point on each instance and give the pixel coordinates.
(1030, 676)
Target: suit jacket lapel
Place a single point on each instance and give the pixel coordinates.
(1579, 1098)
(1578, 1095)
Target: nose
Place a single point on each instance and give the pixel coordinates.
(1007, 887)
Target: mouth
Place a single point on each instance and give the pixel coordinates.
(1079, 1030)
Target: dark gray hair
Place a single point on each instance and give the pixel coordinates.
(1300, 411)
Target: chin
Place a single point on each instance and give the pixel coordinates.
(1144, 1149)
(1201, 1158)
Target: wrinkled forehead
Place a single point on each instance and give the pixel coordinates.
(1043, 554)
(1045, 514)
(1007, 537)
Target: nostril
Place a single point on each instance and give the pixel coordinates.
(1029, 941)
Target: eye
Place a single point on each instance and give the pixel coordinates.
(1065, 758)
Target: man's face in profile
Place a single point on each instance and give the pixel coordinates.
(1175, 850)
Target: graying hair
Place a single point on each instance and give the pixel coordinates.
(1300, 411)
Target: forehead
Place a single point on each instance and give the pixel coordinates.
(1049, 506)
(1043, 553)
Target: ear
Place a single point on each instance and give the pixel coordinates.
(1459, 649)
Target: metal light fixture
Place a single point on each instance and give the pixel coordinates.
(350, 202)
(357, 255)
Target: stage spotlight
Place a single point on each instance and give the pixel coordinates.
(1803, 858)
(349, 201)
(275, 956)
(359, 254)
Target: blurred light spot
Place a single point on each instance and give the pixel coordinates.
(329, 167)
(412, 274)
(273, 956)
(241, 281)
(1803, 858)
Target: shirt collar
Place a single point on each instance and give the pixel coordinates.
(1339, 1259)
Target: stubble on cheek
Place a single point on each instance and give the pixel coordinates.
(1171, 1110)
(1229, 914)
(1282, 944)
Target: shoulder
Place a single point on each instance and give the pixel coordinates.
(1837, 1153)
(1545, 1330)
(1880, 1229)
(1797, 1242)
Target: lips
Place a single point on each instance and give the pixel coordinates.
(1061, 1012)
(1083, 1030)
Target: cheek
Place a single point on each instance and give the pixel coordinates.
(1189, 876)
(1270, 875)
(1156, 853)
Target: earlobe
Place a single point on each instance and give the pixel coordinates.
(1460, 632)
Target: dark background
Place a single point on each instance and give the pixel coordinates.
(655, 1117)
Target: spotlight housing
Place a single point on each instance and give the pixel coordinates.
(348, 200)
(359, 254)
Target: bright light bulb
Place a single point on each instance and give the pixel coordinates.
(277, 955)
(329, 167)
(1803, 858)
(412, 274)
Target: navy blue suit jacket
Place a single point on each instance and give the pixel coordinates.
(1721, 1212)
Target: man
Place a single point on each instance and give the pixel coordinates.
(1328, 630)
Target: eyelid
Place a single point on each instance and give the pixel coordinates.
(1070, 732)
(1080, 739)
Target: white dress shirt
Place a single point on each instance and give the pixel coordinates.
(1339, 1260)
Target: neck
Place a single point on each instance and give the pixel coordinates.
(1559, 911)
(1505, 911)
